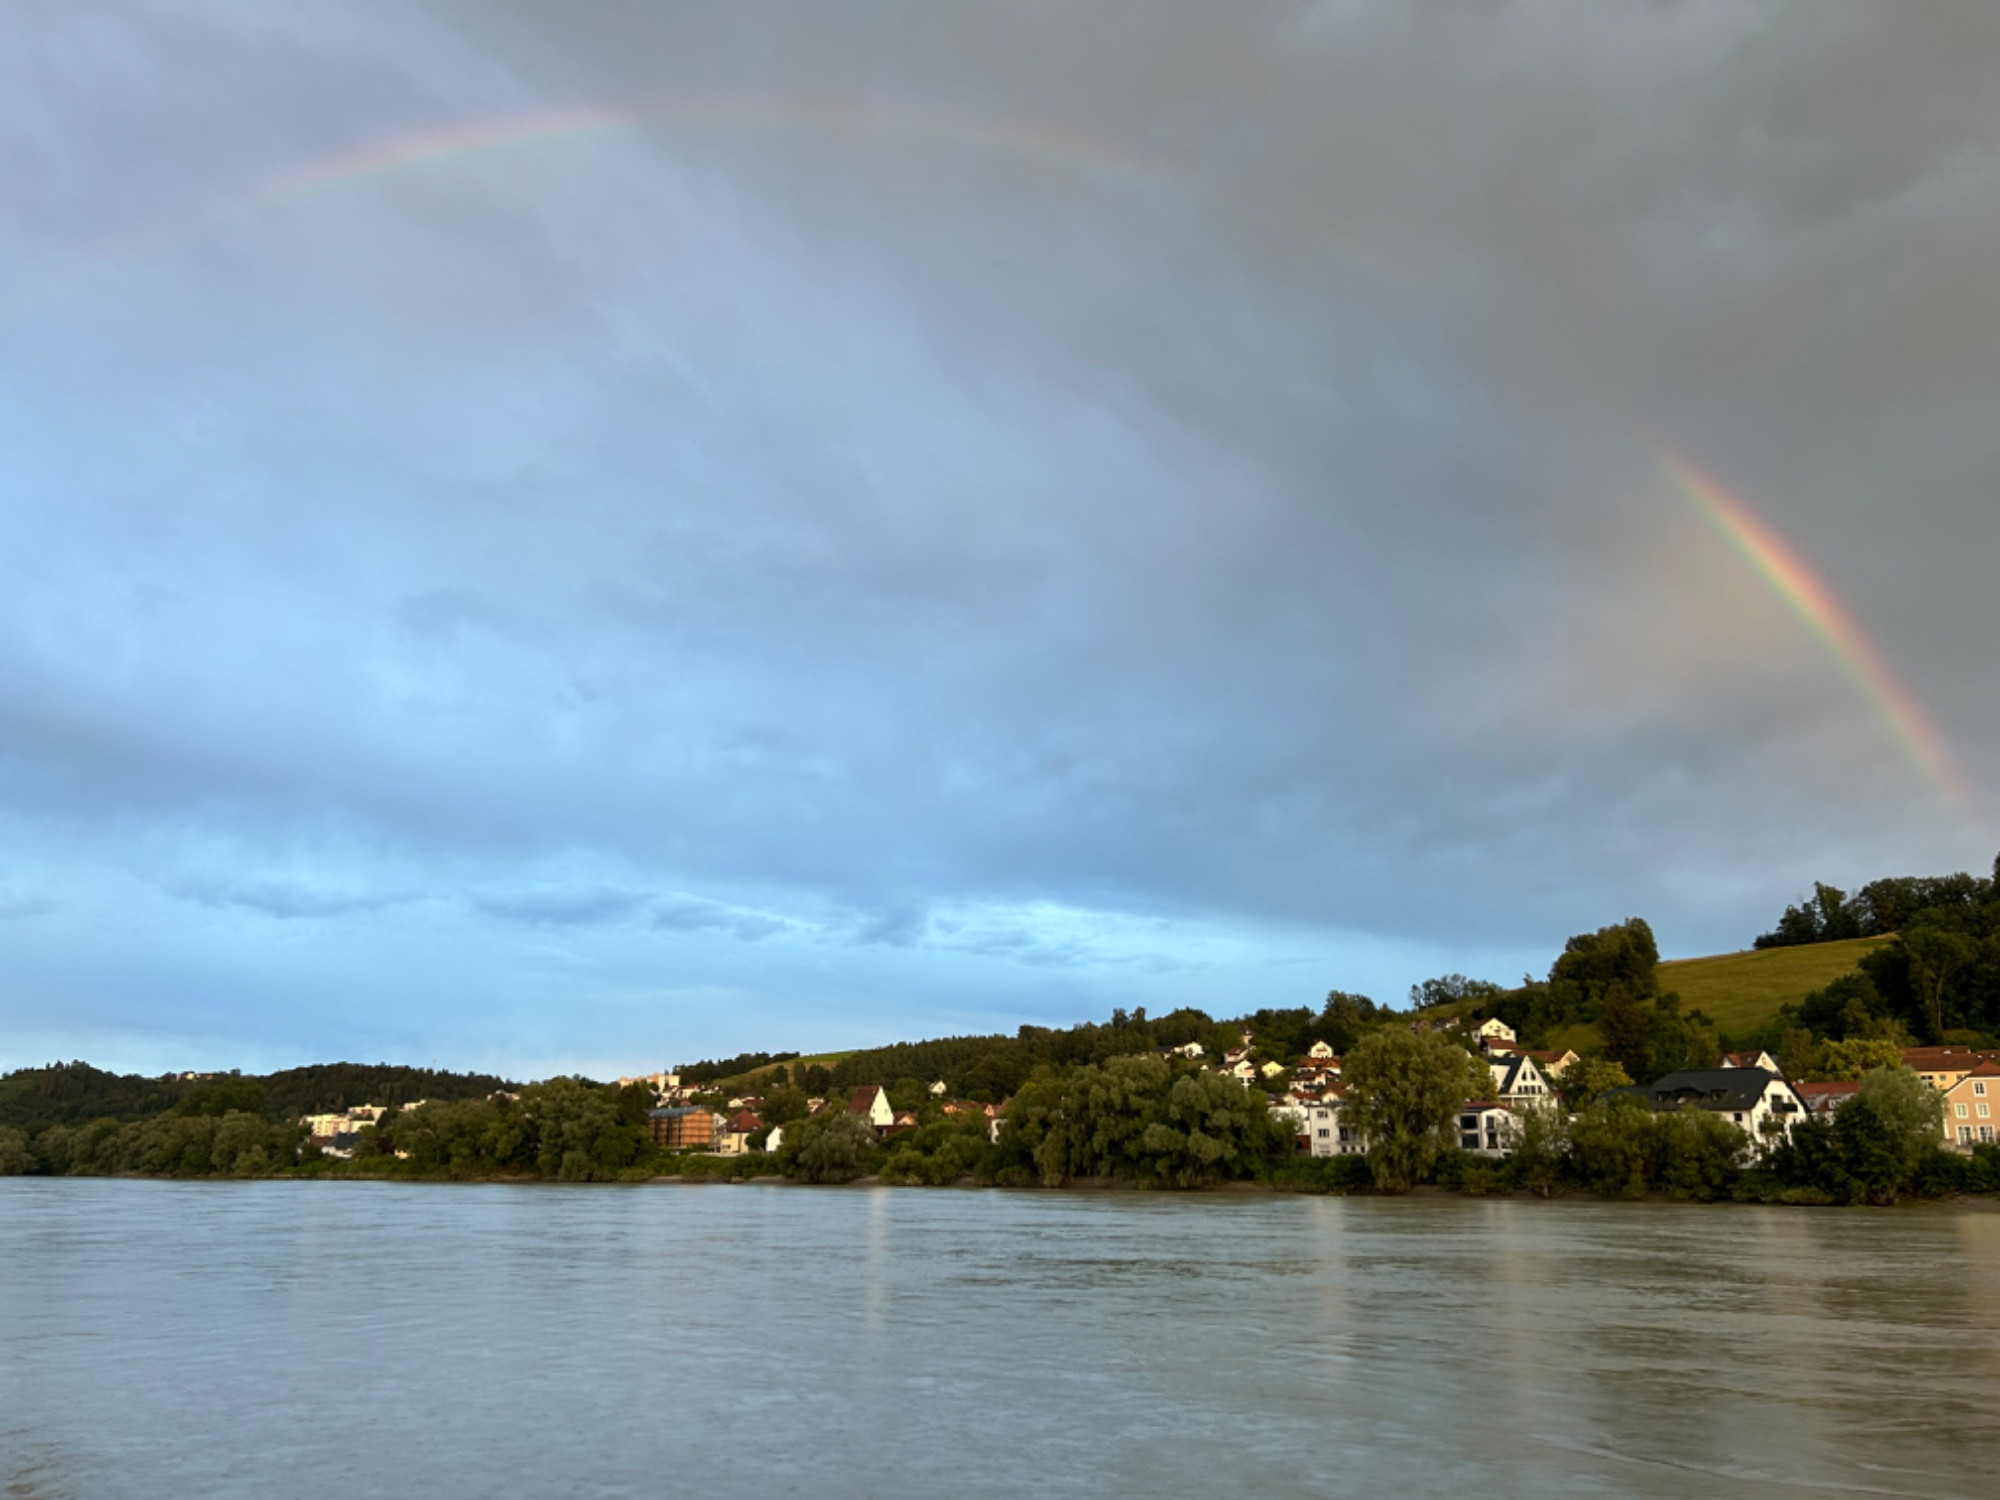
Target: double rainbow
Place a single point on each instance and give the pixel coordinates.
(829, 118)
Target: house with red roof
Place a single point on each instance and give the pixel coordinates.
(1760, 1059)
(1943, 1067)
(1823, 1099)
(870, 1102)
(1969, 1107)
(737, 1132)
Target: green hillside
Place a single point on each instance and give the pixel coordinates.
(1742, 991)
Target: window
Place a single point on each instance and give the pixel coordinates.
(1979, 1088)
(1965, 1135)
(1986, 1133)
(1324, 1132)
(1981, 1112)
(1738, 1117)
(1960, 1108)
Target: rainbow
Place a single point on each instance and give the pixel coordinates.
(829, 118)
(1813, 602)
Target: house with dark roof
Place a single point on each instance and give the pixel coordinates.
(1756, 1100)
(1518, 1079)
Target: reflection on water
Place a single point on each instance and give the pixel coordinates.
(345, 1338)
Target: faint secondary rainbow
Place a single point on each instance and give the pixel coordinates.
(832, 118)
(1795, 582)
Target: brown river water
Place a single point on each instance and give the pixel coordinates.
(359, 1339)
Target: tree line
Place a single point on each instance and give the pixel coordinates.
(1936, 980)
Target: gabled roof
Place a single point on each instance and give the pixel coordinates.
(743, 1122)
(1512, 1068)
(1710, 1088)
(860, 1101)
(1942, 1059)
(1987, 1069)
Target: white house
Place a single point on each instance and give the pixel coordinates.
(1494, 1029)
(775, 1139)
(938, 1089)
(1759, 1059)
(1756, 1100)
(1320, 1052)
(1517, 1080)
(1486, 1127)
(1325, 1135)
(871, 1103)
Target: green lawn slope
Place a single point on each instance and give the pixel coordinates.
(1740, 992)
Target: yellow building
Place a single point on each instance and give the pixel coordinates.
(1972, 1108)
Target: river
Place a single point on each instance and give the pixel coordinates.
(357, 1339)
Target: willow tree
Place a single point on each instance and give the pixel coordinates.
(1403, 1089)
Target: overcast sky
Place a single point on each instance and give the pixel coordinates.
(545, 536)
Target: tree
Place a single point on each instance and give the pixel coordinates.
(781, 1106)
(1209, 1127)
(15, 1158)
(1627, 1030)
(1403, 1089)
(833, 1146)
(217, 1097)
(1935, 955)
(1449, 989)
(1611, 1146)
(1886, 1131)
(1541, 1147)
(817, 1080)
(1344, 1020)
(577, 1132)
(1696, 1153)
(1851, 1059)
(1585, 1081)
(1624, 952)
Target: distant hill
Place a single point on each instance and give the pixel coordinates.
(72, 1093)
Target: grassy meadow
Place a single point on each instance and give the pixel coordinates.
(1742, 991)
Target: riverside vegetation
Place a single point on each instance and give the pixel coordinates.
(1108, 1102)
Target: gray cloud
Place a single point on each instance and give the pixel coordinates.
(1199, 478)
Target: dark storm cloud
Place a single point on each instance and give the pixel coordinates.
(956, 499)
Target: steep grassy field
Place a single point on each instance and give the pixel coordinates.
(1742, 991)
(1739, 991)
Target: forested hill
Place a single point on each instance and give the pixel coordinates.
(74, 1093)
